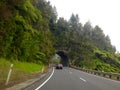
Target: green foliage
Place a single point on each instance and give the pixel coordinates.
(101, 66)
(30, 10)
(40, 57)
(25, 35)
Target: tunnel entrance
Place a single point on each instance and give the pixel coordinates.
(64, 58)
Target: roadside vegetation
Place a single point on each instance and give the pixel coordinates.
(21, 71)
(18, 67)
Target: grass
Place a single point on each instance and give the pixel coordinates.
(19, 68)
(27, 67)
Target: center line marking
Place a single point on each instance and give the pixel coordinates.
(46, 80)
(83, 79)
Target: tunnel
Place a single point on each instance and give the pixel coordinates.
(64, 58)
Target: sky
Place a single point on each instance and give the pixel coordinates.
(104, 13)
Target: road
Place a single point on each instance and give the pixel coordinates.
(71, 79)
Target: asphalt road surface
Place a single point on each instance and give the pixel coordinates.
(71, 79)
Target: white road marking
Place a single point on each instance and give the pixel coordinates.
(83, 79)
(46, 80)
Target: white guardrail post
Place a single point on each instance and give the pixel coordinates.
(42, 70)
(9, 73)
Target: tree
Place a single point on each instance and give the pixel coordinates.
(74, 22)
(87, 30)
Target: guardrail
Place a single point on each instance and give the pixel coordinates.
(115, 76)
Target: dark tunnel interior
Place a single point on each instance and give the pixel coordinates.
(64, 58)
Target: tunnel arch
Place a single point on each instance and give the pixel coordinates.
(64, 58)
